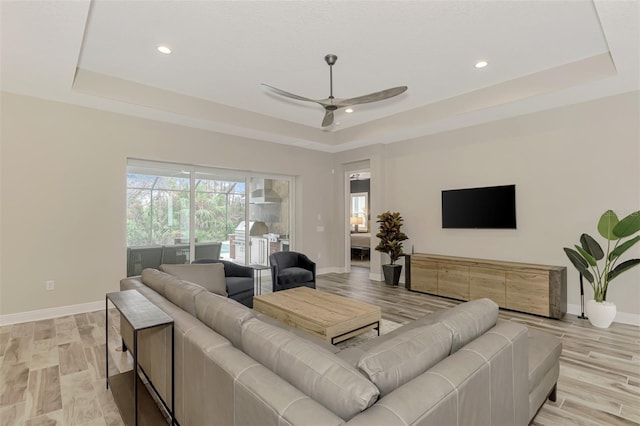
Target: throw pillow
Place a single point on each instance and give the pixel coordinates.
(404, 357)
(208, 275)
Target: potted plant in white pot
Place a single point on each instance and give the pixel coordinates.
(391, 238)
(600, 267)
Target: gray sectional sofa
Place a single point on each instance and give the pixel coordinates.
(233, 366)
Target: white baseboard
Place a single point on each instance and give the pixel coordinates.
(49, 313)
(375, 277)
(331, 270)
(621, 317)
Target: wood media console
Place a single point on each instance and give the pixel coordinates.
(523, 287)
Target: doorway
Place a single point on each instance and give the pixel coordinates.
(359, 216)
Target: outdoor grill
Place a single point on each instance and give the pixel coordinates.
(259, 244)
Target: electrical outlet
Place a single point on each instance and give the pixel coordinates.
(50, 285)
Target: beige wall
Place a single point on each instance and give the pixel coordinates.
(569, 166)
(62, 204)
(63, 194)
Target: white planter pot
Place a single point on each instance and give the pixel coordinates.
(601, 314)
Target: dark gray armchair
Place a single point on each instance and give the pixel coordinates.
(291, 269)
(239, 280)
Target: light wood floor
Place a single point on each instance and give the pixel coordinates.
(599, 380)
(52, 371)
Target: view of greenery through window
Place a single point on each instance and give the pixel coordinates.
(219, 207)
(158, 209)
(178, 214)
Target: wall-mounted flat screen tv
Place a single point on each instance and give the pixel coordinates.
(491, 207)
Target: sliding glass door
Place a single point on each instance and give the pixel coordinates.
(269, 212)
(158, 225)
(219, 208)
(180, 213)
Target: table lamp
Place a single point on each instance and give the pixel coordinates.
(355, 220)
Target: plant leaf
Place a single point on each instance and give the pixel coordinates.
(623, 267)
(628, 226)
(623, 247)
(586, 255)
(578, 261)
(588, 276)
(591, 246)
(607, 222)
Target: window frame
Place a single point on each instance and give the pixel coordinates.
(159, 167)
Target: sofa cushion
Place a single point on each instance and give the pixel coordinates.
(397, 361)
(222, 315)
(183, 294)
(315, 371)
(469, 320)
(544, 352)
(294, 275)
(157, 280)
(207, 275)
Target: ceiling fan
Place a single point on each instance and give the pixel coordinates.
(331, 104)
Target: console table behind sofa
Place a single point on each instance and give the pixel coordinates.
(524, 287)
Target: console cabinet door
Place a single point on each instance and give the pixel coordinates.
(453, 281)
(489, 283)
(424, 275)
(528, 292)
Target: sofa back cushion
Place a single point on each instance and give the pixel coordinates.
(313, 370)
(222, 315)
(469, 320)
(183, 294)
(209, 275)
(157, 280)
(398, 360)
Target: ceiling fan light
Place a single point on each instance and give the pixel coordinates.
(348, 110)
(481, 64)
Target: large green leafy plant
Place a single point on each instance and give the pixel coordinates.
(600, 267)
(390, 235)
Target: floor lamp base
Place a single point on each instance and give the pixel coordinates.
(582, 315)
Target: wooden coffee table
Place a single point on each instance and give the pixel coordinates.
(330, 317)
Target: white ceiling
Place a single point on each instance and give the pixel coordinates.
(102, 54)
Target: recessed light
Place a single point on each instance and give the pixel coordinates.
(481, 64)
(164, 49)
(348, 110)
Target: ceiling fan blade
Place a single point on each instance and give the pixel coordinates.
(328, 119)
(289, 95)
(373, 97)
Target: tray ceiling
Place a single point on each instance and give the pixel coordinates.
(102, 54)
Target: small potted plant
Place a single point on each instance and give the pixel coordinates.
(391, 238)
(600, 267)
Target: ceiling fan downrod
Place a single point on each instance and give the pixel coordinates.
(331, 59)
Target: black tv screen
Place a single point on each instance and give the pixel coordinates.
(491, 207)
